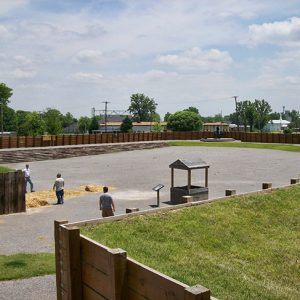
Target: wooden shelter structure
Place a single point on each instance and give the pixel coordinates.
(197, 192)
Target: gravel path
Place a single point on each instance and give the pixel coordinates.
(131, 176)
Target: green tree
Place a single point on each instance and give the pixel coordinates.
(94, 124)
(166, 117)
(84, 124)
(67, 120)
(53, 121)
(10, 119)
(126, 125)
(250, 114)
(184, 121)
(142, 107)
(263, 110)
(273, 116)
(21, 119)
(193, 109)
(295, 119)
(34, 124)
(5, 94)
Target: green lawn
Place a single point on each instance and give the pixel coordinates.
(5, 169)
(283, 147)
(243, 248)
(26, 265)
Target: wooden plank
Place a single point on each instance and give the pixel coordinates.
(58, 258)
(152, 284)
(90, 294)
(118, 269)
(133, 295)
(97, 280)
(197, 292)
(94, 254)
(2, 193)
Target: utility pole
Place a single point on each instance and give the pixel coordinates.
(236, 111)
(105, 114)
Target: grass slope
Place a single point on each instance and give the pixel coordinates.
(243, 248)
(5, 169)
(22, 265)
(283, 147)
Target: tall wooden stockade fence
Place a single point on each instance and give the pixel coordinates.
(81, 139)
(88, 270)
(12, 192)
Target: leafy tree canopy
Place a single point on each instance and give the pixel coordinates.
(94, 124)
(142, 107)
(184, 121)
(53, 121)
(193, 109)
(126, 125)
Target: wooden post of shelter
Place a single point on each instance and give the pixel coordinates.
(206, 177)
(172, 177)
(189, 180)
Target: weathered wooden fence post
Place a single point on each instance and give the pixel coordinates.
(59, 264)
(118, 265)
(196, 292)
(71, 285)
(266, 185)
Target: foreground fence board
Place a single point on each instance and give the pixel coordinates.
(12, 192)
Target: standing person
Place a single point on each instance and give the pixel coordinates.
(59, 188)
(106, 203)
(26, 172)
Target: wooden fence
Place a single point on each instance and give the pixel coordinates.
(81, 139)
(88, 270)
(12, 192)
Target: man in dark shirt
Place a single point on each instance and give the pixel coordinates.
(106, 203)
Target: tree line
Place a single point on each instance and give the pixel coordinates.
(253, 114)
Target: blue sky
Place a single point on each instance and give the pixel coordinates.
(74, 54)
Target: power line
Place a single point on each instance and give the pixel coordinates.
(236, 111)
(105, 114)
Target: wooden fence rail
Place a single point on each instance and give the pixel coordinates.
(81, 139)
(88, 270)
(12, 192)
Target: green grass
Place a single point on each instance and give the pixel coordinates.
(5, 169)
(243, 248)
(283, 147)
(22, 265)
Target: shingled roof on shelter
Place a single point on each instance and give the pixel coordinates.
(185, 164)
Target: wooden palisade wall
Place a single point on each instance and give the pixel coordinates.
(81, 139)
(12, 192)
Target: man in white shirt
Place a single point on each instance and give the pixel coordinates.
(59, 188)
(26, 172)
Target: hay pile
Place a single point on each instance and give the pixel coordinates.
(42, 198)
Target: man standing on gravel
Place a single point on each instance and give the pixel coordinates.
(106, 203)
(26, 172)
(59, 188)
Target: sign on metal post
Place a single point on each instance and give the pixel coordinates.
(157, 188)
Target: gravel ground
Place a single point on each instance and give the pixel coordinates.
(131, 176)
(26, 289)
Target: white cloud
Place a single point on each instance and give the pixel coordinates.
(87, 77)
(23, 74)
(281, 33)
(198, 59)
(10, 5)
(3, 32)
(89, 56)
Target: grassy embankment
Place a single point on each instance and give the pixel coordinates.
(243, 248)
(5, 169)
(283, 147)
(22, 265)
